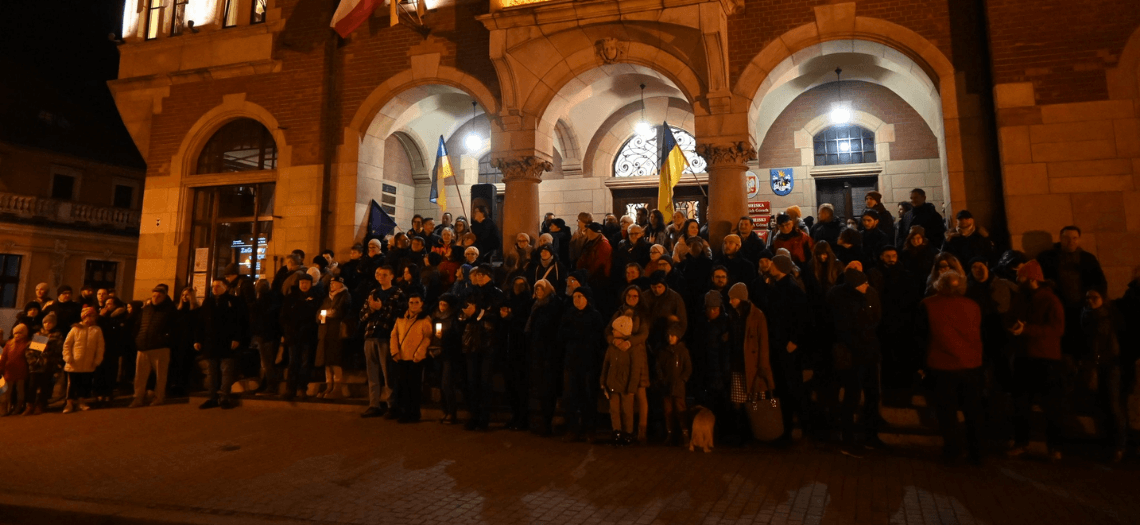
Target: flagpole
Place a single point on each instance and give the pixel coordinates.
(460, 192)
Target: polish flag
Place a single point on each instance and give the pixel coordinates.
(350, 14)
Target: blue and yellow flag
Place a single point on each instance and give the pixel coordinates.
(673, 164)
(439, 175)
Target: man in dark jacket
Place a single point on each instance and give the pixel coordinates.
(787, 327)
(299, 333)
(239, 285)
(153, 343)
(1074, 272)
(740, 270)
(561, 238)
(874, 201)
(486, 234)
(967, 242)
(873, 238)
(898, 295)
(922, 214)
(855, 312)
(751, 245)
(219, 334)
(66, 310)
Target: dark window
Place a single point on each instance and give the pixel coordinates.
(178, 20)
(62, 187)
(153, 19)
(229, 19)
(100, 274)
(488, 174)
(844, 145)
(124, 196)
(257, 11)
(9, 279)
(241, 145)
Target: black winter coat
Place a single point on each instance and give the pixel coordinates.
(856, 317)
(219, 324)
(926, 216)
(155, 326)
(299, 318)
(582, 336)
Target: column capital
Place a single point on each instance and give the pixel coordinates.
(522, 168)
(726, 153)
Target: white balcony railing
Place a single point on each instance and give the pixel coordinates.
(66, 212)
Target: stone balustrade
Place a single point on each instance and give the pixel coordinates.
(66, 212)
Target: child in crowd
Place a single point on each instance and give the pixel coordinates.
(82, 353)
(14, 369)
(673, 370)
(44, 355)
(621, 376)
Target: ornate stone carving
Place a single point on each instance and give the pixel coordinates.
(610, 49)
(59, 262)
(522, 167)
(733, 153)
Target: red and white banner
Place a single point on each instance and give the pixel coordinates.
(350, 14)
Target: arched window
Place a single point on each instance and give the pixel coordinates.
(241, 145)
(638, 156)
(488, 174)
(845, 144)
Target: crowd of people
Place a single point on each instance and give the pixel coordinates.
(639, 310)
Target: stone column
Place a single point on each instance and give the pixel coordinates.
(521, 176)
(728, 196)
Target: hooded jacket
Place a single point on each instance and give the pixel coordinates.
(582, 336)
(83, 348)
(411, 337)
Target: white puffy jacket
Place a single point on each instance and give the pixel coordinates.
(83, 348)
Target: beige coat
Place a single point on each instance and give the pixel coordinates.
(411, 338)
(83, 348)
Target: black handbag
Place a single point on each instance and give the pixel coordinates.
(765, 415)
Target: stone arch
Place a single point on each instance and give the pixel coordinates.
(568, 145)
(233, 107)
(838, 30)
(607, 143)
(395, 89)
(1124, 79)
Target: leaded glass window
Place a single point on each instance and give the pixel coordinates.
(846, 144)
(241, 145)
(638, 156)
(488, 174)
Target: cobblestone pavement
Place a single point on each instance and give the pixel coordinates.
(282, 464)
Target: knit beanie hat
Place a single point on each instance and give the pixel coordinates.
(63, 289)
(738, 291)
(1031, 270)
(657, 277)
(713, 299)
(783, 263)
(854, 277)
(623, 325)
(675, 329)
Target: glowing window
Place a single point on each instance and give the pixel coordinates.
(844, 144)
(638, 157)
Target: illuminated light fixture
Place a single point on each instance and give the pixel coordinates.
(844, 146)
(642, 128)
(473, 141)
(840, 113)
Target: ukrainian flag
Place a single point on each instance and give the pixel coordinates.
(439, 175)
(673, 164)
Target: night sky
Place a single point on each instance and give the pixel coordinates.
(66, 44)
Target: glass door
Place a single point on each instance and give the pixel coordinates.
(231, 225)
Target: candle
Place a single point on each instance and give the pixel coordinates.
(323, 314)
(439, 329)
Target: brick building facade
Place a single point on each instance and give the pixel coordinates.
(1025, 114)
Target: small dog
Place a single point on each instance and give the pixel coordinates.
(703, 424)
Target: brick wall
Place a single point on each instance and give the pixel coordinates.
(765, 20)
(914, 140)
(1062, 47)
